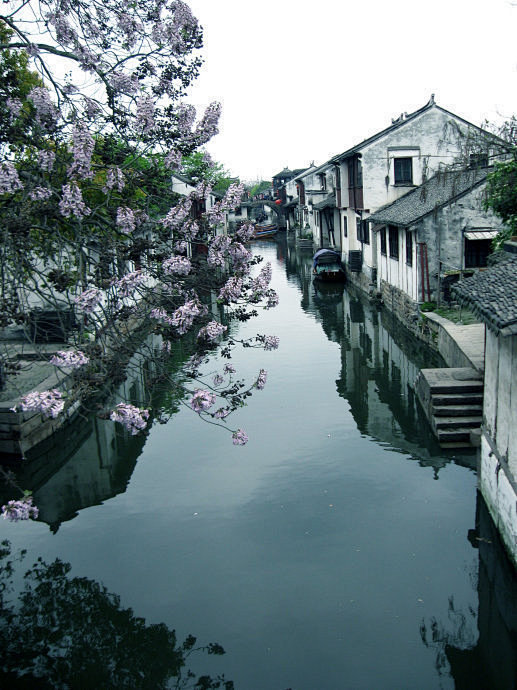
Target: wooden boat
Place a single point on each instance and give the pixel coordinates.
(265, 230)
(326, 265)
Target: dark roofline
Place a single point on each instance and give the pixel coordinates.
(397, 124)
(377, 216)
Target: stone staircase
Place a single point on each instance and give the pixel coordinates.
(453, 402)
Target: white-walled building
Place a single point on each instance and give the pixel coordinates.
(386, 166)
(493, 295)
(431, 236)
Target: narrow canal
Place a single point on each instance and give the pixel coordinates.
(339, 549)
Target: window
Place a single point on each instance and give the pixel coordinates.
(409, 247)
(478, 160)
(382, 236)
(393, 240)
(345, 226)
(403, 170)
(476, 252)
(363, 231)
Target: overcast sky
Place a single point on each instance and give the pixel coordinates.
(303, 80)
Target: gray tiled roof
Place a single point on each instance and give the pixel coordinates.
(492, 295)
(439, 190)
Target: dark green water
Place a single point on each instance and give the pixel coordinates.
(337, 550)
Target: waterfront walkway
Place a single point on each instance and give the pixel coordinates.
(460, 345)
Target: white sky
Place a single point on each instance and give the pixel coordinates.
(303, 80)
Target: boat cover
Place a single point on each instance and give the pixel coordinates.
(326, 256)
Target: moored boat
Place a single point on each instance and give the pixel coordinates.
(327, 265)
(265, 230)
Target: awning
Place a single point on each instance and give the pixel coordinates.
(481, 234)
(329, 202)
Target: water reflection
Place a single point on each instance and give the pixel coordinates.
(490, 661)
(91, 460)
(70, 632)
(380, 361)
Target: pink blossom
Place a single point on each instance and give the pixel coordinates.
(211, 331)
(128, 283)
(46, 111)
(40, 193)
(202, 401)
(89, 299)
(82, 149)
(46, 160)
(240, 438)
(49, 403)
(20, 510)
(132, 418)
(184, 316)
(177, 214)
(231, 290)
(72, 203)
(114, 178)
(145, 114)
(125, 220)
(14, 105)
(271, 342)
(177, 265)
(72, 358)
(172, 160)
(9, 180)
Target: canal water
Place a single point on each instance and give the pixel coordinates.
(339, 549)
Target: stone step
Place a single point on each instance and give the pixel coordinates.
(455, 387)
(454, 436)
(452, 445)
(457, 410)
(457, 422)
(457, 399)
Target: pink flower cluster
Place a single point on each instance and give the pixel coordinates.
(132, 418)
(89, 299)
(125, 220)
(73, 359)
(202, 401)
(177, 265)
(46, 160)
(271, 342)
(145, 114)
(231, 290)
(211, 331)
(183, 317)
(9, 180)
(114, 178)
(40, 193)
(49, 403)
(20, 510)
(172, 160)
(82, 148)
(46, 111)
(240, 438)
(129, 283)
(72, 203)
(177, 214)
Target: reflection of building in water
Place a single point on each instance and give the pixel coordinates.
(380, 363)
(91, 459)
(486, 657)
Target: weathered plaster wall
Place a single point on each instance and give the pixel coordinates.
(499, 490)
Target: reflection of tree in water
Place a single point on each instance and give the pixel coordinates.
(70, 632)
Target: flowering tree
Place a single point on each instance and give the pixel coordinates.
(95, 123)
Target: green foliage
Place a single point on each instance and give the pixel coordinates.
(198, 166)
(502, 196)
(16, 82)
(260, 187)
